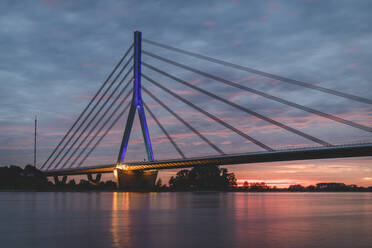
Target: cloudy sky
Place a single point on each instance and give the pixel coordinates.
(55, 54)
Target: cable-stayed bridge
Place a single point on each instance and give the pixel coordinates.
(121, 93)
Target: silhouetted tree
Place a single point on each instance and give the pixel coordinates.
(296, 187)
(181, 181)
(332, 187)
(258, 186)
(203, 178)
(311, 188)
(14, 177)
(110, 185)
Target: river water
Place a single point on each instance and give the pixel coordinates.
(91, 219)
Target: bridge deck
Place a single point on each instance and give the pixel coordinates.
(257, 157)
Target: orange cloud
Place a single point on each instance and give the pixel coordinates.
(351, 66)
(89, 65)
(247, 78)
(195, 81)
(237, 42)
(209, 24)
(185, 92)
(51, 2)
(273, 5)
(352, 49)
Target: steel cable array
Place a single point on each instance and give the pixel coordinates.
(89, 104)
(263, 94)
(244, 109)
(213, 117)
(85, 121)
(107, 130)
(164, 131)
(265, 74)
(96, 114)
(99, 121)
(201, 136)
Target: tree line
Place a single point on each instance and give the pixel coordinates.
(211, 178)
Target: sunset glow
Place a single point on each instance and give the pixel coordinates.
(186, 124)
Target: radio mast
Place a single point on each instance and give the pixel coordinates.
(35, 141)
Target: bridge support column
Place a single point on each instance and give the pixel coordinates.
(130, 179)
(58, 182)
(94, 181)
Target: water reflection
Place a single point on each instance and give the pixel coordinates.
(303, 219)
(120, 203)
(239, 219)
(185, 220)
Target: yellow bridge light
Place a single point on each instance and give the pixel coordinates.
(122, 167)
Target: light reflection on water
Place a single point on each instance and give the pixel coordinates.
(185, 219)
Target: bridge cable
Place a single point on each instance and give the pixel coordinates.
(90, 112)
(263, 94)
(249, 111)
(98, 122)
(265, 74)
(213, 117)
(89, 104)
(164, 131)
(94, 117)
(104, 124)
(100, 119)
(106, 132)
(184, 122)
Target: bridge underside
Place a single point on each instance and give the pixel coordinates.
(258, 157)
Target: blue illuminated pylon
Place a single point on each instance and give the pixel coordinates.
(136, 105)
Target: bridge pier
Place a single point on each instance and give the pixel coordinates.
(96, 180)
(131, 179)
(60, 182)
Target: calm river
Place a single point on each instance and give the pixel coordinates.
(185, 220)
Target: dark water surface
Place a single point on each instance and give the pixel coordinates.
(50, 219)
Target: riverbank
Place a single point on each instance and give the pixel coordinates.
(168, 190)
(207, 179)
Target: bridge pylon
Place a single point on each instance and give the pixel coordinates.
(127, 179)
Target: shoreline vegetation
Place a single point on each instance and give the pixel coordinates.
(207, 178)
